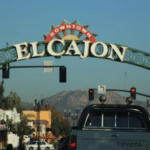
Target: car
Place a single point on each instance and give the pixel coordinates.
(60, 143)
(66, 143)
(43, 146)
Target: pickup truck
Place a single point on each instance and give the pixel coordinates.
(112, 127)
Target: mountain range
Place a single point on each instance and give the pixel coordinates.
(66, 100)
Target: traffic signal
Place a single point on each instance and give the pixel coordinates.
(5, 70)
(62, 74)
(133, 93)
(91, 94)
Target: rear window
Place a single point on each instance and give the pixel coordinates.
(132, 120)
(109, 119)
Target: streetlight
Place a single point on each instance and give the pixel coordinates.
(67, 114)
(37, 108)
(74, 117)
(77, 110)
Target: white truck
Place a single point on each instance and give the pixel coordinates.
(112, 127)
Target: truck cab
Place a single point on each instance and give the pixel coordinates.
(112, 127)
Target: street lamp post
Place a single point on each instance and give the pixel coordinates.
(77, 110)
(37, 108)
(67, 114)
(73, 117)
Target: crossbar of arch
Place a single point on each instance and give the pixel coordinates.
(132, 56)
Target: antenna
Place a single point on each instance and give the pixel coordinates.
(7, 44)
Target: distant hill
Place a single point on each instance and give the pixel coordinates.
(72, 99)
(26, 105)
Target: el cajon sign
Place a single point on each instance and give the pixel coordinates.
(59, 43)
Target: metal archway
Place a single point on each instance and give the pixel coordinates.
(132, 56)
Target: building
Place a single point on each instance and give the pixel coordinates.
(8, 138)
(10, 114)
(44, 115)
(45, 121)
(43, 125)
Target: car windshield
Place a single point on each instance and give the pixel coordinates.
(33, 142)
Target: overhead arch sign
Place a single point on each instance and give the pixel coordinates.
(72, 39)
(89, 48)
(64, 27)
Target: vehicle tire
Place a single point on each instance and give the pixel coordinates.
(47, 148)
(31, 148)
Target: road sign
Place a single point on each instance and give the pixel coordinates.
(48, 63)
(101, 89)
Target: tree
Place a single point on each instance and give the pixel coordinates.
(65, 129)
(21, 128)
(60, 128)
(47, 107)
(11, 101)
(56, 127)
(1, 94)
(14, 100)
(1, 90)
(10, 125)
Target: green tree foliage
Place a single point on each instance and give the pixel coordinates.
(46, 107)
(11, 101)
(1, 90)
(60, 127)
(21, 128)
(65, 129)
(56, 127)
(1, 94)
(10, 125)
(14, 101)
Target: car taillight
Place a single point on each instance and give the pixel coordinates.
(73, 142)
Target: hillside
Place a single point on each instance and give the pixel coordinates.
(72, 99)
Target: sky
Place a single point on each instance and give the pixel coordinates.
(123, 22)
